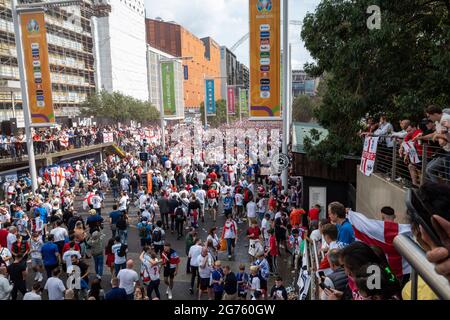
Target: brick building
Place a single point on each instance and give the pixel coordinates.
(175, 40)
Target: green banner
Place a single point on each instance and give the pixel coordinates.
(243, 101)
(168, 88)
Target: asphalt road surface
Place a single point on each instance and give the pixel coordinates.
(182, 280)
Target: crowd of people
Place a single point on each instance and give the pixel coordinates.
(432, 130)
(43, 234)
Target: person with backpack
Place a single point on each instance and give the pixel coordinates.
(120, 255)
(145, 232)
(171, 261)
(158, 236)
(122, 228)
(194, 208)
(180, 218)
(173, 205)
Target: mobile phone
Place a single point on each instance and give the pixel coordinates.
(422, 214)
(321, 274)
(323, 286)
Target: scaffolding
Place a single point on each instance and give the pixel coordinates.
(71, 57)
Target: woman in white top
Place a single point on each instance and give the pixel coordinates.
(213, 239)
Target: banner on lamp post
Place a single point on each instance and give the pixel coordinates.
(231, 101)
(265, 59)
(210, 102)
(168, 86)
(35, 54)
(243, 102)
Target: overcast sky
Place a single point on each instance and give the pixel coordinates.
(226, 21)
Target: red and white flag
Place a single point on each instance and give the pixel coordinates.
(381, 234)
(411, 151)
(369, 155)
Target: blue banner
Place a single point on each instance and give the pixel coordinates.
(210, 102)
(186, 72)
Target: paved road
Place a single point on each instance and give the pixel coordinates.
(182, 280)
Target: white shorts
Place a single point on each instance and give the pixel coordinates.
(212, 203)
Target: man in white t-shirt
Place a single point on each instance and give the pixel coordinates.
(67, 256)
(55, 286)
(11, 237)
(205, 265)
(33, 294)
(96, 202)
(201, 176)
(60, 234)
(194, 252)
(265, 227)
(251, 212)
(128, 278)
(123, 202)
(200, 194)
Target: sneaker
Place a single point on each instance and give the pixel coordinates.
(170, 295)
(167, 291)
(36, 276)
(191, 291)
(40, 278)
(229, 257)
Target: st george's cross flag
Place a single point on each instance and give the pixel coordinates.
(369, 155)
(381, 234)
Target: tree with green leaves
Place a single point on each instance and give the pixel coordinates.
(398, 69)
(221, 114)
(303, 108)
(118, 107)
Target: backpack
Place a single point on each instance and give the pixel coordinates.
(122, 251)
(157, 235)
(121, 223)
(143, 231)
(179, 214)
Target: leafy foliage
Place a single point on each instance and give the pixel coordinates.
(397, 70)
(303, 108)
(118, 107)
(221, 114)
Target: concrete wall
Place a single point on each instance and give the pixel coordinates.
(374, 192)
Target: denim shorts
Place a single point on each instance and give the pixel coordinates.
(35, 262)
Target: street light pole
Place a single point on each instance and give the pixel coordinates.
(161, 107)
(204, 103)
(24, 92)
(284, 174)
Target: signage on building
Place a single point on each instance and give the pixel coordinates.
(210, 102)
(168, 88)
(231, 101)
(35, 51)
(186, 72)
(265, 60)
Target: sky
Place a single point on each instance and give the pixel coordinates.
(226, 21)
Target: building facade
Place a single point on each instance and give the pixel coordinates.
(71, 60)
(302, 84)
(154, 80)
(232, 70)
(173, 39)
(120, 49)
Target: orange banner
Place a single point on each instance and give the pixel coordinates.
(149, 183)
(35, 52)
(265, 59)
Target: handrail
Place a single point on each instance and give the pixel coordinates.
(315, 255)
(418, 261)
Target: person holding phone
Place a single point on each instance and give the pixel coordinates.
(337, 279)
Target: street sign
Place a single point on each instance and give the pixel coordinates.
(279, 162)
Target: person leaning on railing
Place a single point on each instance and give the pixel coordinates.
(414, 167)
(442, 162)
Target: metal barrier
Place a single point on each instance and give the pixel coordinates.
(394, 164)
(421, 266)
(17, 150)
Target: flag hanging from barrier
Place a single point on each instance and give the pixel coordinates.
(411, 151)
(369, 155)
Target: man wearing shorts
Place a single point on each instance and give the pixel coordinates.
(170, 261)
(205, 266)
(213, 195)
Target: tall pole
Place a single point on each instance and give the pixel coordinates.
(13, 103)
(289, 122)
(161, 107)
(284, 174)
(24, 92)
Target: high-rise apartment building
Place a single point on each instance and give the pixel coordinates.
(71, 59)
(235, 72)
(175, 40)
(120, 49)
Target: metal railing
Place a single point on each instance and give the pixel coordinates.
(396, 166)
(18, 150)
(421, 266)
